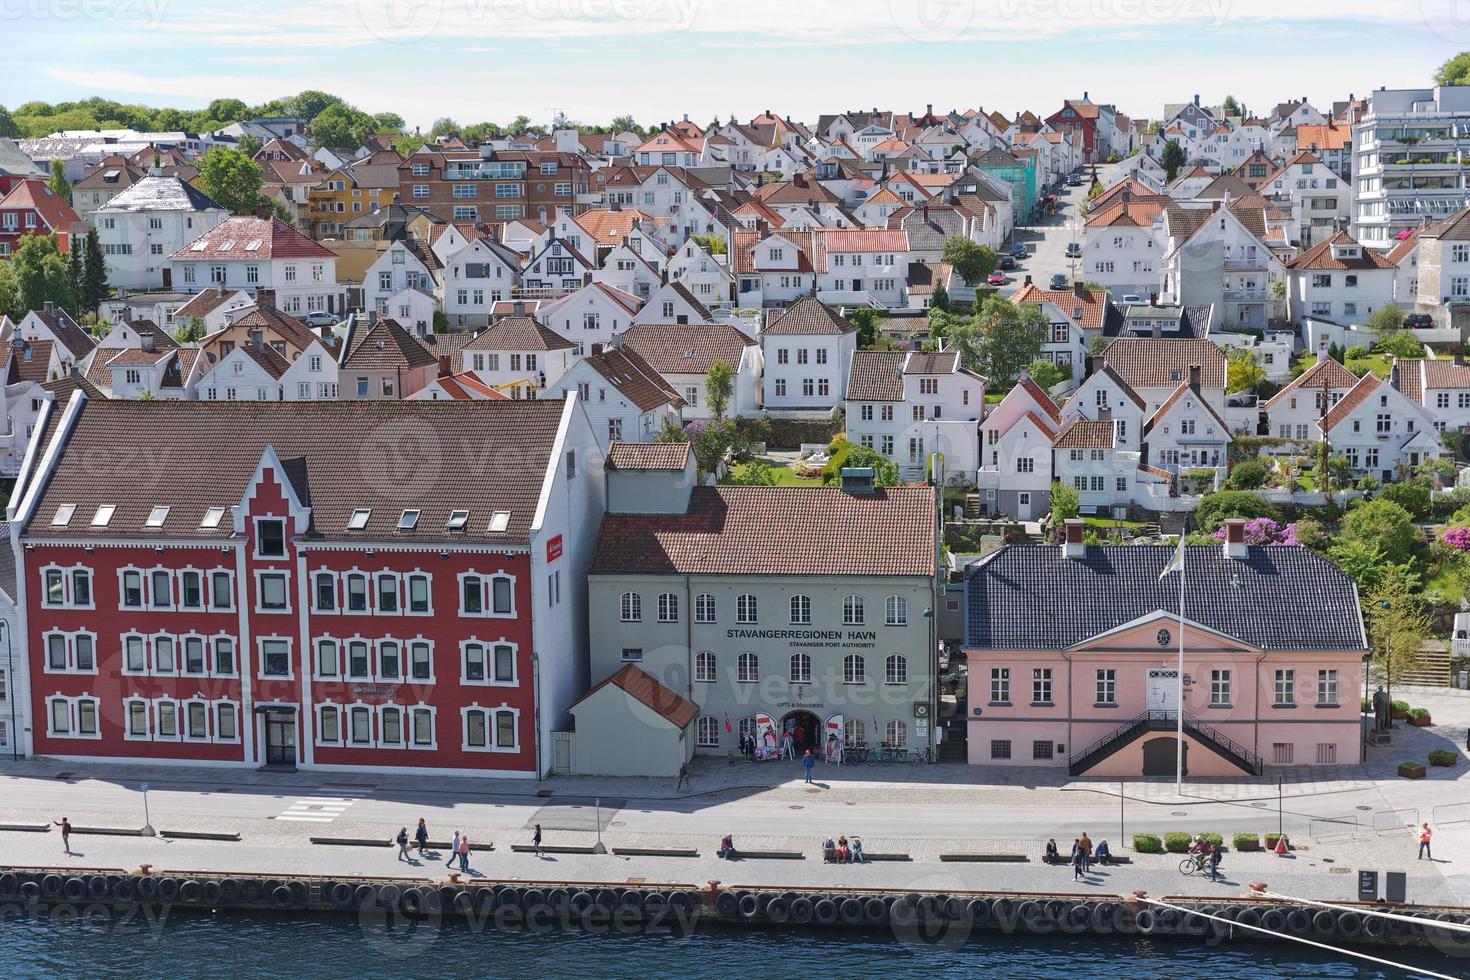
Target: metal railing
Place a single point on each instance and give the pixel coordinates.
(1163, 720)
(1332, 828)
(1393, 821)
(1207, 733)
(1126, 732)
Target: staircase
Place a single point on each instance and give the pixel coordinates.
(1165, 721)
(1432, 669)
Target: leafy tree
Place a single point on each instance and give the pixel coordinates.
(94, 275)
(1097, 345)
(848, 454)
(35, 275)
(1173, 161)
(388, 122)
(443, 126)
(227, 110)
(248, 145)
(1231, 107)
(756, 473)
(480, 132)
(867, 320)
(1384, 525)
(714, 244)
(341, 125)
(311, 102)
(1065, 502)
(628, 124)
(408, 144)
(970, 259)
(1044, 373)
(1001, 339)
(8, 126)
(1243, 369)
(1455, 71)
(1399, 343)
(1386, 320)
(191, 331)
(1397, 628)
(719, 385)
(58, 183)
(1412, 495)
(231, 179)
(1216, 508)
(1249, 474)
(939, 300)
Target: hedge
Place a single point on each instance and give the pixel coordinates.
(1243, 841)
(1148, 844)
(1177, 842)
(788, 433)
(1418, 712)
(1212, 839)
(1441, 757)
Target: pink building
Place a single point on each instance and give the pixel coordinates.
(1074, 658)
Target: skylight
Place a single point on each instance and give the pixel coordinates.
(359, 519)
(198, 246)
(500, 520)
(157, 516)
(226, 246)
(458, 521)
(62, 517)
(408, 520)
(103, 517)
(212, 517)
(253, 245)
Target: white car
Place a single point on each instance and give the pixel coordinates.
(320, 318)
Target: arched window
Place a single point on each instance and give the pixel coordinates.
(854, 669)
(748, 668)
(668, 607)
(896, 734)
(896, 669)
(631, 608)
(704, 608)
(897, 611)
(801, 610)
(704, 666)
(852, 610)
(709, 732)
(745, 608)
(801, 668)
(854, 732)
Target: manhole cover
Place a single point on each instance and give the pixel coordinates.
(795, 806)
(813, 791)
(1362, 806)
(1178, 813)
(1261, 805)
(618, 823)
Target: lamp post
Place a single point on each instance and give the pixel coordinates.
(147, 823)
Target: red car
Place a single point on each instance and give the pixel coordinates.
(996, 278)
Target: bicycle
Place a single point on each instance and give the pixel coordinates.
(924, 755)
(1195, 864)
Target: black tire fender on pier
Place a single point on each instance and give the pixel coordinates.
(147, 887)
(230, 889)
(212, 893)
(850, 911)
(1031, 912)
(1104, 914)
(74, 890)
(51, 885)
(581, 902)
(412, 902)
(824, 910)
(801, 910)
(1274, 920)
(1249, 917)
(99, 887)
(656, 903)
(1146, 921)
(1350, 924)
(191, 891)
(168, 889)
(1299, 922)
(727, 903)
(252, 889)
(750, 906)
(1324, 922)
(463, 903)
(281, 897)
(124, 890)
(979, 910)
(1080, 915)
(875, 910)
(29, 891)
(388, 896)
(778, 911)
(903, 913)
(342, 895)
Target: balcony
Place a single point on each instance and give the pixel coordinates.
(1252, 264)
(1246, 295)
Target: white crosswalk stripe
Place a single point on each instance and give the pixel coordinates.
(318, 809)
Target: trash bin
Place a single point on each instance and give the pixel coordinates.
(1464, 681)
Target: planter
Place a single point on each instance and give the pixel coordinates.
(1398, 715)
(1412, 770)
(1421, 722)
(1442, 757)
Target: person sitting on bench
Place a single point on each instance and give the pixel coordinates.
(727, 848)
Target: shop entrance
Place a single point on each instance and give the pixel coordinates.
(805, 730)
(280, 738)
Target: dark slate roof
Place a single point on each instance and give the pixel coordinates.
(1029, 597)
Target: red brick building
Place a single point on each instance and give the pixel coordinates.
(485, 186)
(323, 585)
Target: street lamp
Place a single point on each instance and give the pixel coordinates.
(599, 847)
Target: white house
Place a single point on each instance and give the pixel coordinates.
(862, 266)
(476, 277)
(142, 226)
(1380, 431)
(706, 278)
(1339, 280)
(908, 405)
(625, 398)
(405, 264)
(556, 268)
(807, 351)
(1123, 246)
(1294, 411)
(591, 316)
(1015, 472)
(1441, 386)
(213, 308)
(258, 253)
(517, 349)
(683, 354)
(413, 307)
(1319, 201)
(52, 323)
(1185, 433)
(625, 270)
(249, 372)
(672, 303)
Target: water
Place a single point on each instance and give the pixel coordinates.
(195, 944)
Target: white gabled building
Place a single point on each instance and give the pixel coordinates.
(1294, 411)
(256, 254)
(142, 226)
(1440, 386)
(908, 405)
(625, 398)
(516, 353)
(1381, 432)
(1339, 280)
(672, 303)
(1015, 472)
(684, 353)
(213, 308)
(475, 278)
(706, 278)
(556, 269)
(405, 264)
(807, 351)
(591, 316)
(1185, 433)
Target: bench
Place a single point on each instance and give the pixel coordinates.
(871, 857)
(742, 855)
(673, 852)
(29, 828)
(1062, 862)
(351, 841)
(109, 831)
(197, 835)
(987, 858)
(553, 848)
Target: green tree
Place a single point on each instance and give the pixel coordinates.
(8, 127)
(719, 385)
(341, 125)
(714, 244)
(1216, 508)
(939, 300)
(1065, 502)
(1001, 339)
(443, 126)
(1399, 343)
(37, 274)
(248, 145)
(191, 331)
(311, 102)
(867, 320)
(1363, 563)
(227, 110)
(1384, 525)
(627, 124)
(970, 259)
(94, 275)
(756, 473)
(1231, 107)
(1173, 161)
(1044, 373)
(231, 179)
(408, 144)
(388, 122)
(1455, 71)
(1397, 628)
(58, 183)
(75, 273)
(1412, 495)
(848, 454)
(1386, 320)
(1248, 474)
(1243, 370)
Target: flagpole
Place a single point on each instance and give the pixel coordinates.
(1179, 679)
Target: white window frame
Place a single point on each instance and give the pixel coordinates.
(260, 674)
(491, 715)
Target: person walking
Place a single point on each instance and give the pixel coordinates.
(1215, 857)
(1076, 860)
(463, 850)
(403, 845)
(65, 825)
(683, 782)
(536, 841)
(1424, 835)
(421, 836)
(808, 762)
(1085, 843)
(453, 850)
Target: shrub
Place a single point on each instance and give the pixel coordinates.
(1418, 712)
(1368, 484)
(1441, 757)
(1148, 844)
(1402, 707)
(1177, 842)
(1410, 766)
(1365, 705)
(1411, 495)
(1243, 841)
(1248, 475)
(1211, 838)
(1217, 507)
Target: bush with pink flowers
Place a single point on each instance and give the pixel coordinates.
(1457, 538)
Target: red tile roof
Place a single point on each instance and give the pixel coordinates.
(1082, 433)
(1320, 256)
(1092, 303)
(33, 194)
(1145, 362)
(273, 238)
(677, 710)
(680, 348)
(1366, 386)
(809, 315)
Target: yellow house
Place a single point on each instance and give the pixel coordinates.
(348, 192)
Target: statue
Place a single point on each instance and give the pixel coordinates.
(1382, 722)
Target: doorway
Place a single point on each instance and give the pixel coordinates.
(1023, 506)
(1160, 757)
(280, 738)
(1163, 690)
(804, 728)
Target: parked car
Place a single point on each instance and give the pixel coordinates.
(996, 278)
(320, 318)
(1058, 281)
(1419, 321)
(1007, 262)
(1131, 299)
(1018, 250)
(1074, 180)
(1074, 251)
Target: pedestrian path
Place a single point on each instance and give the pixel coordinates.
(319, 808)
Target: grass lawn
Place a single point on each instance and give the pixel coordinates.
(1379, 364)
(1108, 522)
(1449, 583)
(1307, 482)
(785, 476)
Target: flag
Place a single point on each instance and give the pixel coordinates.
(1176, 564)
(727, 723)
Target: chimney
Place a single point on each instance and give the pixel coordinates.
(1079, 288)
(372, 318)
(1322, 351)
(1235, 546)
(1028, 279)
(146, 340)
(929, 109)
(1074, 546)
(49, 307)
(1194, 378)
(219, 290)
(1104, 413)
(444, 370)
(1084, 95)
(518, 308)
(1196, 100)
(1153, 299)
(265, 299)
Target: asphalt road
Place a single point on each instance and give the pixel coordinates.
(1047, 242)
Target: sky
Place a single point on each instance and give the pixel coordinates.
(491, 60)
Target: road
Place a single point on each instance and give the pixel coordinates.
(1047, 242)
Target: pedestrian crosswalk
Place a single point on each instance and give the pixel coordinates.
(319, 808)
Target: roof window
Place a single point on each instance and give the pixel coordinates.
(408, 520)
(212, 517)
(359, 519)
(499, 521)
(253, 245)
(63, 514)
(103, 517)
(157, 516)
(458, 521)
